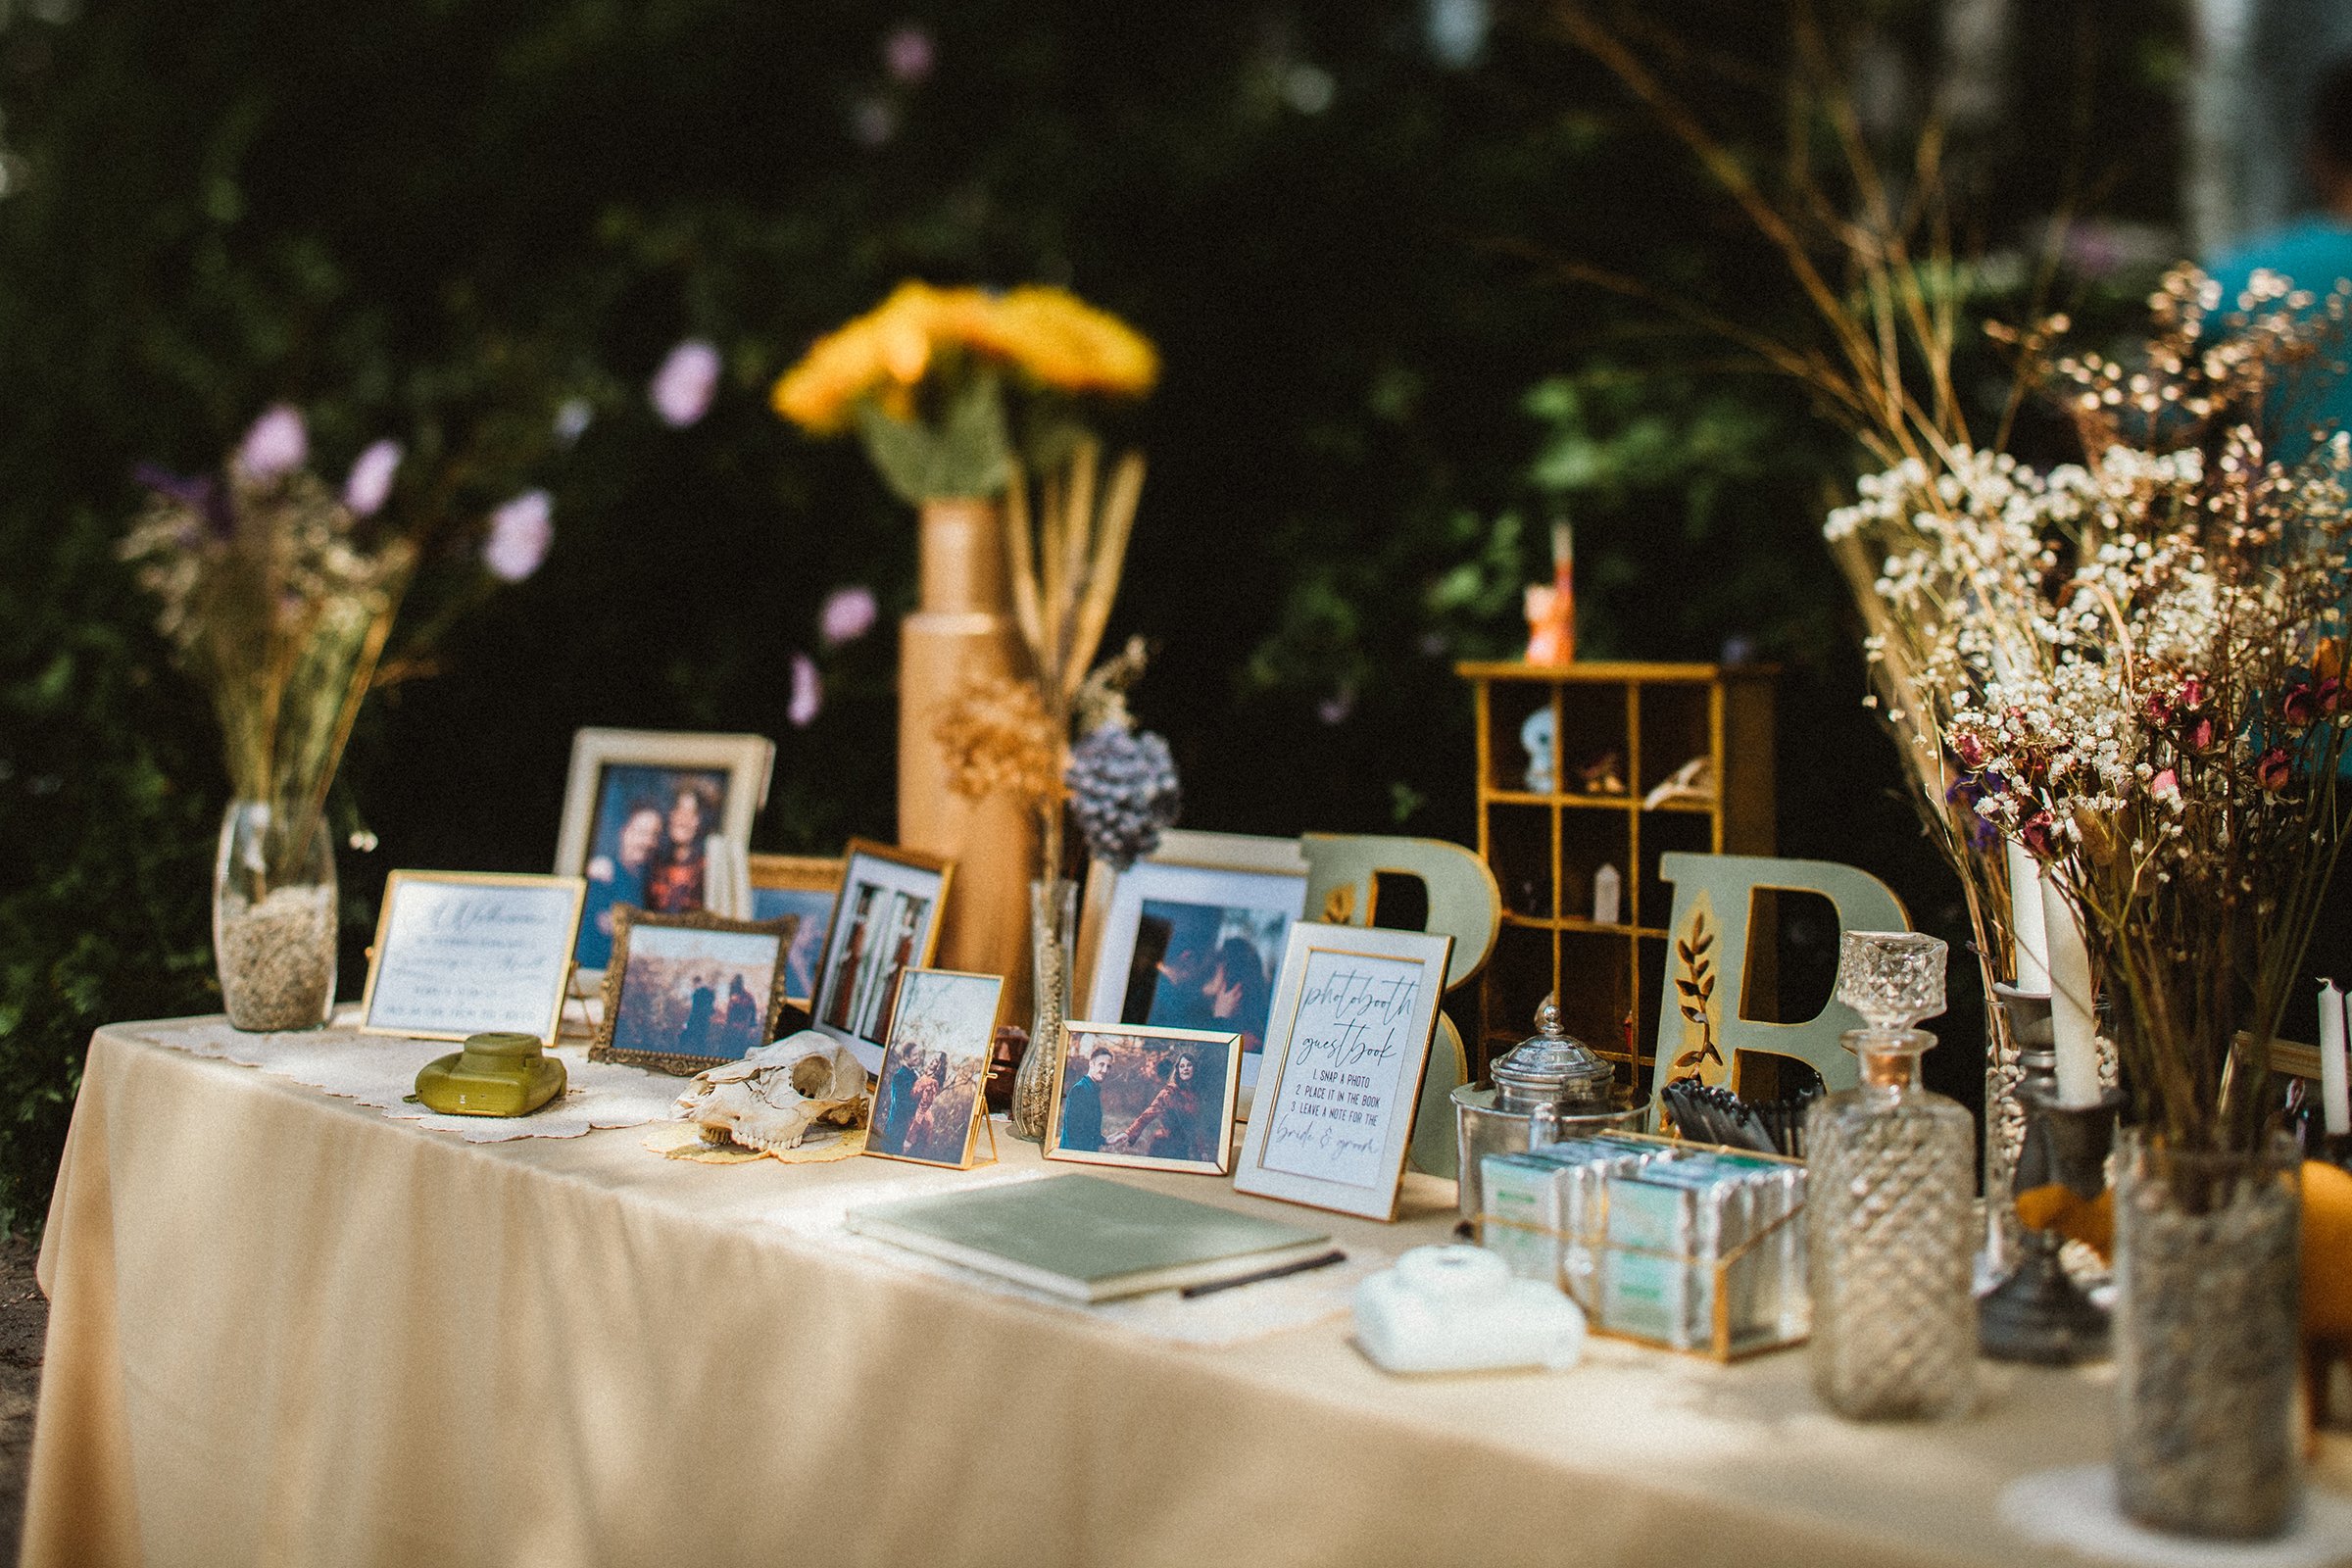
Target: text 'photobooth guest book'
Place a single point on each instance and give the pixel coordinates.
(1088, 1238)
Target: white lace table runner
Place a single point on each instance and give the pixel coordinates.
(380, 1071)
(1221, 1318)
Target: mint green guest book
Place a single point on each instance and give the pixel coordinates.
(1087, 1238)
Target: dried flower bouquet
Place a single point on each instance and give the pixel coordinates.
(278, 607)
(2166, 736)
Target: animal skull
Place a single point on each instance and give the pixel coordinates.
(770, 1099)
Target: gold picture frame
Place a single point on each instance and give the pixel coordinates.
(1101, 1044)
(624, 1034)
(942, 1029)
(871, 940)
(807, 886)
(538, 1010)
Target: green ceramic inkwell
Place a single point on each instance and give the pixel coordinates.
(495, 1075)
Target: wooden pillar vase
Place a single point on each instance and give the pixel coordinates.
(963, 627)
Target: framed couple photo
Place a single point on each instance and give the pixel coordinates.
(684, 993)
(929, 1104)
(1192, 937)
(884, 924)
(640, 809)
(1135, 1094)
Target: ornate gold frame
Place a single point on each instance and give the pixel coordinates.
(625, 920)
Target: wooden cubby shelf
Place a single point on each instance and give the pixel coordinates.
(1634, 726)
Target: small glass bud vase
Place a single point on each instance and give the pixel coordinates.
(1052, 934)
(1890, 1175)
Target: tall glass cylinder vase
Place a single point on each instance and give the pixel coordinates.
(2207, 1268)
(1053, 934)
(274, 918)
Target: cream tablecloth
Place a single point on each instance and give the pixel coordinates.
(285, 1330)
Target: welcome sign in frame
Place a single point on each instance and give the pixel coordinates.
(1353, 1017)
(464, 952)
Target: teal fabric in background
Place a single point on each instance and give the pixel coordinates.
(2314, 251)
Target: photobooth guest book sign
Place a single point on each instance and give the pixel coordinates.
(463, 953)
(1353, 1015)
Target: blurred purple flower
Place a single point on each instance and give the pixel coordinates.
(519, 533)
(1334, 709)
(201, 494)
(906, 53)
(1965, 794)
(849, 613)
(683, 388)
(276, 444)
(370, 482)
(807, 692)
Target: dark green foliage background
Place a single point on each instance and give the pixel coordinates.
(401, 215)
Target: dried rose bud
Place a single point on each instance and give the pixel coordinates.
(2037, 833)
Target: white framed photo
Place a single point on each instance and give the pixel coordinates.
(464, 952)
(640, 807)
(1192, 937)
(885, 922)
(1353, 1017)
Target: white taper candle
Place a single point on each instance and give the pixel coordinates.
(2074, 1026)
(2333, 1090)
(2026, 924)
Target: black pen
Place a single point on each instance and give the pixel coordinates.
(1302, 1267)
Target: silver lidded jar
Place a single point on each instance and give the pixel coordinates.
(1547, 1087)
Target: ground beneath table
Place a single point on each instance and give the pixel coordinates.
(24, 1323)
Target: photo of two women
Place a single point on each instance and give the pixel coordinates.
(647, 848)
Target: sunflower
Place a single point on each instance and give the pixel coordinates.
(1048, 335)
(1060, 341)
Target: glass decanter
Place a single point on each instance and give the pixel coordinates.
(1891, 1169)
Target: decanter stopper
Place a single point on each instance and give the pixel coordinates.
(1893, 978)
